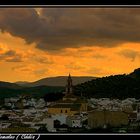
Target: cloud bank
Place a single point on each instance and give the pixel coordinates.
(60, 28)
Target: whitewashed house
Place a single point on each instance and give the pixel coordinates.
(60, 117)
(74, 121)
(40, 103)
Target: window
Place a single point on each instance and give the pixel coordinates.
(65, 111)
(61, 111)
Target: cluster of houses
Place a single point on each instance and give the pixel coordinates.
(69, 112)
(113, 112)
(24, 102)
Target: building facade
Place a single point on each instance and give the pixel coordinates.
(74, 121)
(70, 104)
(107, 118)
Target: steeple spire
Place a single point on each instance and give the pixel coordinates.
(69, 74)
(69, 85)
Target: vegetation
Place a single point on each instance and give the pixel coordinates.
(37, 92)
(117, 86)
(54, 96)
(18, 129)
(42, 129)
(4, 117)
(18, 124)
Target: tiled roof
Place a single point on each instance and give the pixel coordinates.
(70, 96)
(72, 107)
(132, 115)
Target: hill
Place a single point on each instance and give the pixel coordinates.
(135, 74)
(12, 90)
(114, 86)
(38, 88)
(9, 85)
(56, 81)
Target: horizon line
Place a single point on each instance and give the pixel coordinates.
(64, 76)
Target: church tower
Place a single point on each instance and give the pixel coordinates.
(69, 85)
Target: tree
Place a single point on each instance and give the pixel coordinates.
(42, 129)
(56, 123)
(4, 117)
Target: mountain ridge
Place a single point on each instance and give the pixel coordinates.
(114, 86)
(55, 81)
(9, 85)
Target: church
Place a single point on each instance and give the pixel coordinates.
(70, 104)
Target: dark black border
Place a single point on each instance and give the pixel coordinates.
(69, 6)
(72, 4)
(69, 2)
(71, 137)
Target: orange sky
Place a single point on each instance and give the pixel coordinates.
(22, 61)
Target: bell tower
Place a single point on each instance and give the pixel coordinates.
(69, 85)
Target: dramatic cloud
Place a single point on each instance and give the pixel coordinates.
(59, 28)
(129, 54)
(37, 43)
(43, 60)
(11, 56)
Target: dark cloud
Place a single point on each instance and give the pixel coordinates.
(58, 28)
(11, 56)
(129, 54)
(15, 59)
(10, 53)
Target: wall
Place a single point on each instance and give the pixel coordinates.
(61, 111)
(113, 118)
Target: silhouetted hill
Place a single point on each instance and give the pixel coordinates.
(9, 85)
(38, 88)
(135, 74)
(22, 83)
(56, 81)
(114, 86)
(117, 86)
(13, 90)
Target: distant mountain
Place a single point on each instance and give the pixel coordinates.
(22, 83)
(56, 81)
(9, 85)
(13, 90)
(38, 88)
(115, 86)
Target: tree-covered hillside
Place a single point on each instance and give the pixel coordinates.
(117, 86)
(39, 91)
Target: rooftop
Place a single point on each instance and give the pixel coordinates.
(72, 107)
(70, 96)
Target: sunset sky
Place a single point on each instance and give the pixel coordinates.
(46, 42)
